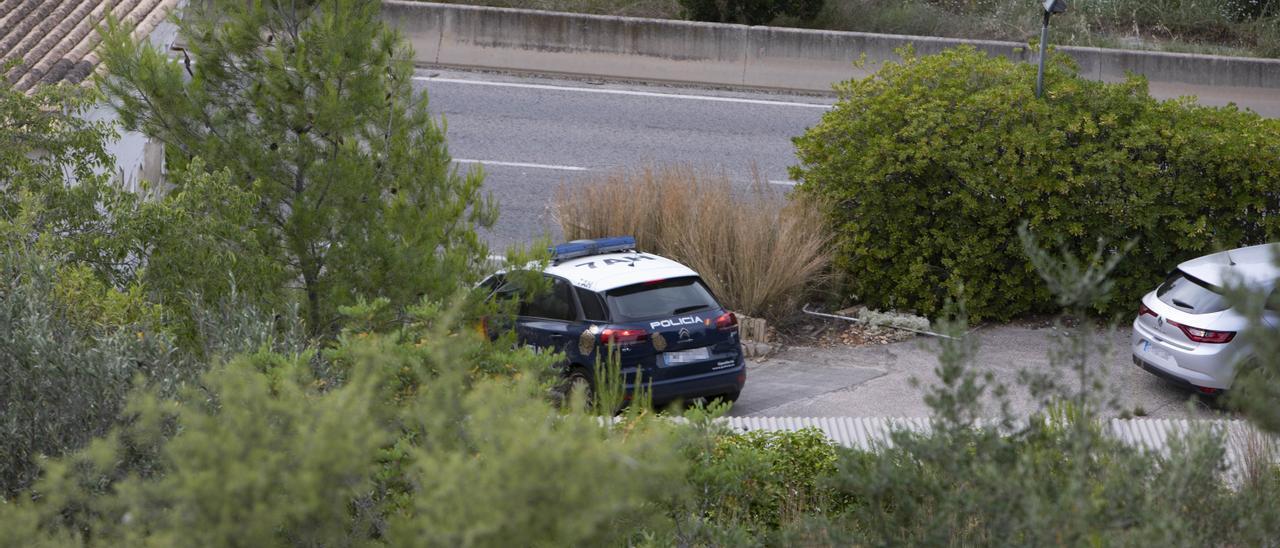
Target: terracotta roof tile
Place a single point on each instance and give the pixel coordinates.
(54, 40)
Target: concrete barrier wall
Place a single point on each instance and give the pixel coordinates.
(812, 60)
(537, 41)
(768, 57)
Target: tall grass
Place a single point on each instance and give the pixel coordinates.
(1258, 457)
(758, 250)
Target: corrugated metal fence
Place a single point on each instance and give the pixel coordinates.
(1245, 445)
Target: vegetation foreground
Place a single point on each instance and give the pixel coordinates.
(282, 350)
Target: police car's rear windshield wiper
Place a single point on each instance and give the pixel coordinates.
(688, 309)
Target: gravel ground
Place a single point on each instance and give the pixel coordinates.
(877, 379)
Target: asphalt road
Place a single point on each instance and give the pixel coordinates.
(533, 134)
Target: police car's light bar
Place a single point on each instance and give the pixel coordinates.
(583, 248)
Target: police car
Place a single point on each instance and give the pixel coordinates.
(659, 315)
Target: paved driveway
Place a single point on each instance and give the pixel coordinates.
(876, 380)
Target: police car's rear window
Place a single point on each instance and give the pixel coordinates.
(1188, 293)
(659, 299)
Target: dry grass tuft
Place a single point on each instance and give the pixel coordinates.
(760, 251)
(1258, 457)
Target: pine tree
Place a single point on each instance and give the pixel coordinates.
(309, 105)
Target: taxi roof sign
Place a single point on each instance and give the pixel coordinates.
(599, 246)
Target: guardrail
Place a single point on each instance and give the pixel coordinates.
(768, 57)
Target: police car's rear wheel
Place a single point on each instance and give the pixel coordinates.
(576, 378)
(727, 398)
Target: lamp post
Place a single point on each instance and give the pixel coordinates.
(1050, 7)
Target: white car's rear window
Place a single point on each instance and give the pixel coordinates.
(1190, 294)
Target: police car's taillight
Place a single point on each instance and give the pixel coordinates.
(622, 337)
(727, 322)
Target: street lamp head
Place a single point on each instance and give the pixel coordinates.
(1055, 6)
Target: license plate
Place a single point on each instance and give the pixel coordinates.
(687, 356)
(1155, 351)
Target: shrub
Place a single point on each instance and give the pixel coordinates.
(749, 12)
(745, 487)
(1223, 27)
(794, 464)
(759, 252)
(928, 167)
(63, 380)
(412, 447)
(662, 9)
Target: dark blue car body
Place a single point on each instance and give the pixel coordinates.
(668, 332)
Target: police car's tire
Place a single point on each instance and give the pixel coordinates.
(576, 376)
(729, 398)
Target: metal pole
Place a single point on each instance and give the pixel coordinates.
(806, 310)
(1044, 42)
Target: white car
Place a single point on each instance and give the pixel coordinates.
(1186, 330)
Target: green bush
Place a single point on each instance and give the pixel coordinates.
(1042, 486)
(929, 166)
(788, 483)
(749, 12)
(743, 488)
(795, 463)
(62, 382)
(411, 447)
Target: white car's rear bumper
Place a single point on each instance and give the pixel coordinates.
(1208, 365)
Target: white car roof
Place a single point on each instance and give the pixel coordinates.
(1254, 266)
(613, 270)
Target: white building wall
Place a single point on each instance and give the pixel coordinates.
(137, 158)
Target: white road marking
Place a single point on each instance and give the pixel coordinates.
(520, 164)
(565, 168)
(625, 92)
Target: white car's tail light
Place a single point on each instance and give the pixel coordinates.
(1144, 311)
(1204, 335)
